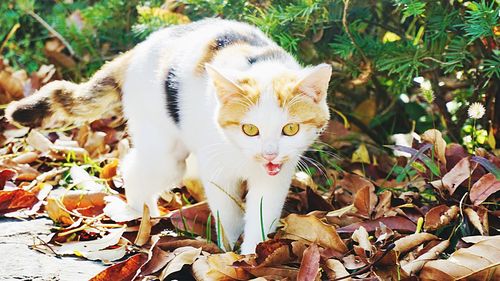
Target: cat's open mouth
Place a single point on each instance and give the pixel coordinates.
(272, 169)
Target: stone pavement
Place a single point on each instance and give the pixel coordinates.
(19, 262)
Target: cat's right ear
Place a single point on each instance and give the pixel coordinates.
(224, 87)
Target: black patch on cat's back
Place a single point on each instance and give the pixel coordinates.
(271, 54)
(172, 95)
(231, 37)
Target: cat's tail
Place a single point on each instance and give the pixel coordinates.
(64, 102)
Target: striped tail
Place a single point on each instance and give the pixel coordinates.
(63, 102)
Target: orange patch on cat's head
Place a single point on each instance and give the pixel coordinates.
(301, 107)
(232, 110)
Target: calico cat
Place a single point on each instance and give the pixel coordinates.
(218, 89)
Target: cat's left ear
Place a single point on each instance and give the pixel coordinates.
(315, 82)
(225, 87)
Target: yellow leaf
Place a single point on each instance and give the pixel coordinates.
(312, 230)
(390, 37)
(366, 110)
(361, 155)
(491, 138)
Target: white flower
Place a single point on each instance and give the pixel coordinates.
(426, 85)
(467, 139)
(476, 110)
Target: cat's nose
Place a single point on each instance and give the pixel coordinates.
(269, 156)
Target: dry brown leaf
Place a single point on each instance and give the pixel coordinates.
(222, 263)
(474, 219)
(365, 200)
(435, 137)
(125, 270)
(183, 256)
(202, 271)
(274, 252)
(399, 223)
(313, 230)
(338, 269)
(483, 188)
(440, 216)
(144, 232)
(283, 272)
(416, 265)
(411, 241)
(96, 249)
(360, 235)
(6, 175)
(39, 142)
(26, 158)
(309, 266)
(350, 184)
(478, 262)
(84, 202)
(455, 177)
(383, 205)
(17, 199)
(157, 259)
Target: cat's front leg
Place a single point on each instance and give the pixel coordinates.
(264, 203)
(224, 198)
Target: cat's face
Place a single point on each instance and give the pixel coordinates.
(272, 118)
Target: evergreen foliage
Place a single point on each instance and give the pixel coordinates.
(377, 49)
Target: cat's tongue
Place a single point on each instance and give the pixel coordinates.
(273, 169)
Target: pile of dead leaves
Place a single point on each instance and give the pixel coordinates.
(432, 216)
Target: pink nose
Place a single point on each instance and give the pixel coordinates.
(270, 157)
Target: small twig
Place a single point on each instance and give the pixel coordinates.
(52, 30)
(10, 34)
(48, 246)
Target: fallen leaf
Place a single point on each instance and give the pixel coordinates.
(144, 232)
(338, 269)
(222, 263)
(416, 265)
(409, 242)
(361, 155)
(436, 138)
(169, 243)
(274, 252)
(309, 266)
(203, 272)
(118, 210)
(440, 216)
(313, 230)
(483, 188)
(193, 219)
(39, 142)
(455, 177)
(398, 223)
(84, 202)
(157, 259)
(478, 262)
(383, 205)
(474, 219)
(84, 181)
(6, 175)
(123, 271)
(365, 200)
(89, 247)
(360, 235)
(26, 158)
(17, 199)
(183, 256)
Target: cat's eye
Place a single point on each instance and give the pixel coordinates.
(290, 129)
(250, 130)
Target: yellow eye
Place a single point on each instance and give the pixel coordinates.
(250, 130)
(290, 129)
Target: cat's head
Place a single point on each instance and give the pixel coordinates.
(272, 116)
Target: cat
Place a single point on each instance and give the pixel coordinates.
(219, 89)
